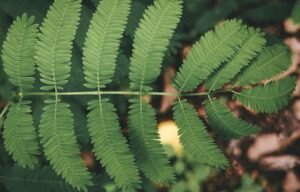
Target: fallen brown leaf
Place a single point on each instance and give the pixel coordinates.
(290, 26)
(264, 144)
(282, 162)
(291, 182)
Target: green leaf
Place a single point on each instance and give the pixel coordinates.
(268, 12)
(145, 143)
(211, 16)
(20, 138)
(194, 138)
(100, 54)
(248, 185)
(225, 123)
(110, 146)
(269, 98)
(17, 179)
(151, 41)
(60, 147)
(207, 54)
(271, 62)
(103, 40)
(53, 50)
(296, 12)
(18, 51)
(53, 56)
(249, 49)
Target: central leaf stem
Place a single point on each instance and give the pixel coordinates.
(110, 93)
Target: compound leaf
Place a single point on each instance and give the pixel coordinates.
(268, 98)
(225, 123)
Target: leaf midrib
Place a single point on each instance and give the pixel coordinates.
(100, 107)
(20, 144)
(102, 41)
(189, 125)
(106, 130)
(257, 69)
(141, 117)
(266, 98)
(153, 35)
(57, 137)
(221, 119)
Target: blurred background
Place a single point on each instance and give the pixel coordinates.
(269, 161)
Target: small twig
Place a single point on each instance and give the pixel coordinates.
(5, 110)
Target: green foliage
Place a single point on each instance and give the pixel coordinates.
(268, 98)
(207, 54)
(53, 50)
(151, 40)
(53, 57)
(144, 141)
(86, 15)
(18, 51)
(150, 43)
(115, 156)
(249, 185)
(271, 62)
(210, 17)
(248, 50)
(296, 12)
(102, 42)
(225, 123)
(191, 174)
(194, 137)
(59, 142)
(100, 53)
(135, 16)
(17, 55)
(15, 8)
(227, 54)
(17, 179)
(20, 137)
(269, 12)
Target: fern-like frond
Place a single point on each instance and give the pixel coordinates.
(53, 50)
(20, 138)
(17, 179)
(194, 138)
(110, 146)
(100, 53)
(271, 62)
(151, 40)
(207, 54)
(53, 57)
(18, 52)
(59, 142)
(269, 98)
(19, 134)
(145, 143)
(248, 50)
(103, 40)
(225, 123)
